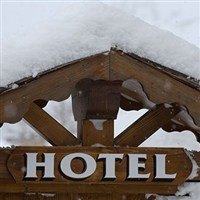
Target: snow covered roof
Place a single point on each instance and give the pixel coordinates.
(86, 30)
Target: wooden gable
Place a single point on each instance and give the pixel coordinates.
(161, 85)
(167, 92)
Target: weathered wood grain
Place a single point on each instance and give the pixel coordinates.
(96, 99)
(35, 196)
(127, 104)
(177, 162)
(160, 87)
(90, 188)
(48, 127)
(146, 125)
(90, 135)
(64, 196)
(175, 124)
(54, 85)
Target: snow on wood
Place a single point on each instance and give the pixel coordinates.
(136, 87)
(98, 123)
(195, 167)
(83, 30)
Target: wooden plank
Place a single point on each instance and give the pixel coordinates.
(128, 105)
(54, 85)
(17, 161)
(175, 124)
(8, 184)
(146, 125)
(191, 81)
(5, 175)
(90, 188)
(96, 132)
(63, 196)
(78, 196)
(132, 94)
(10, 196)
(48, 127)
(34, 196)
(159, 86)
(102, 134)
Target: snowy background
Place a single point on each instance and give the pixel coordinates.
(25, 29)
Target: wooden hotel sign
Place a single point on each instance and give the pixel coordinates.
(110, 166)
(90, 164)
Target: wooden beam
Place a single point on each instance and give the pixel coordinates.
(175, 124)
(64, 196)
(145, 126)
(55, 84)
(91, 188)
(36, 196)
(12, 175)
(95, 105)
(128, 105)
(159, 86)
(48, 127)
(92, 132)
(132, 94)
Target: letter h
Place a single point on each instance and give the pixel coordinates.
(32, 165)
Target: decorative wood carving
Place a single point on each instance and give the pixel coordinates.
(53, 85)
(98, 99)
(160, 86)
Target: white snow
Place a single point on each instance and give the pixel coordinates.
(195, 167)
(48, 194)
(14, 86)
(85, 29)
(98, 123)
(191, 189)
(136, 87)
(97, 145)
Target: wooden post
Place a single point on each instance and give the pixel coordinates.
(96, 132)
(95, 106)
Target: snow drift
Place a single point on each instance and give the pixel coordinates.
(86, 29)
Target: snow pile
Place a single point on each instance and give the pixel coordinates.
(98, 123)
(85, 29)
(190, 189)
(195, 167)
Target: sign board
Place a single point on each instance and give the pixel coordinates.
(99, 165)
(94, 169)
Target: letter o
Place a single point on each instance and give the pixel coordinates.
(90, 168)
